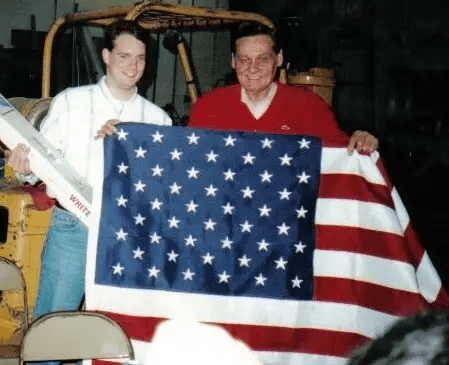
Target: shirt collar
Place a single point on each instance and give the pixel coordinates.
(104, 88)
(259, 107)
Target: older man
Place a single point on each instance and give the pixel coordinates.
(260, 104)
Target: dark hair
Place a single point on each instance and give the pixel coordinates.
(251, 29)
(120, 27)
(422, 336)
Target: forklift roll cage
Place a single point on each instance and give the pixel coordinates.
(156, 17)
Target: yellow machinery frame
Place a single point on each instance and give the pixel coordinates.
(156, 17)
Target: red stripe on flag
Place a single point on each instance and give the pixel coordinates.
(369, 242)
(353, 187)
(376, 297)
(261, 338)
(413, 246)
(441, 302)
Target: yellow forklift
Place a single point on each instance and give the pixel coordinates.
(22, 227)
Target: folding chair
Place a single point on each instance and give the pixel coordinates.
(62, 336)
(11, 278)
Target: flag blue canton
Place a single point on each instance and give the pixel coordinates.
(226, 213)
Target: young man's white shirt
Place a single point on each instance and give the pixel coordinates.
(77, 114)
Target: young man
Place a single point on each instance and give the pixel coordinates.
(77, 120)
(260, 104)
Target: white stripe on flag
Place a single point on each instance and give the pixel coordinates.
(241, 310)
(355, 213)
(400, 210)
(371, 269)
(429, 281)
(337, 161)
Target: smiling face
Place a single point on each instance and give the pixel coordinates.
(125, 64)
(255, 64)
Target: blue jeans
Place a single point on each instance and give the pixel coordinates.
(63, 265)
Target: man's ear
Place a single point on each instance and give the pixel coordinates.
(280, 58)
(233, 60)
(105, 54)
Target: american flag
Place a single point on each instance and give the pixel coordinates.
(301, 251)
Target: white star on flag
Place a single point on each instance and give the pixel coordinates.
(286, 160)
(303, 178)
(157, 137)
(296, 282)
(266, 176)
(300, 247)
(260, 280)
(190, 241)
(192, 173)
(211, 190)
(303, 143)
(117, 269)
(155, 238)
(121, 201)
(211, 156)
(122, 135)
(175, 189)
(228, 208)
(226, 243)
(191, 207)
(139, 219)
(229, 175)
(246, 227)
(140, 152)
(265, 211)
(280, 263)
(247, 193)
(263, 245)
(138, 253)
(193, 139)
(207, 259)
(244, 261)
(301, 212)
(153, 272)
(266, 143)
(283, 229)
(176, 155)
(140, 186)
(121, 235)
(173, 222)
(248, 159)
(223, 277)
(157, 171)
(209, 225)
(156, 204)
(229, 141)
(122, 168)
(188, 275)
(284, 194)
(172, 256)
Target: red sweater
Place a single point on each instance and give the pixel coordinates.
(293, 110)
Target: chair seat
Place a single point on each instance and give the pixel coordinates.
(9, 351)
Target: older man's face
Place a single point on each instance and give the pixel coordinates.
(255, 63)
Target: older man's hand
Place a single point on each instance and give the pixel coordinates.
(362, 142)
